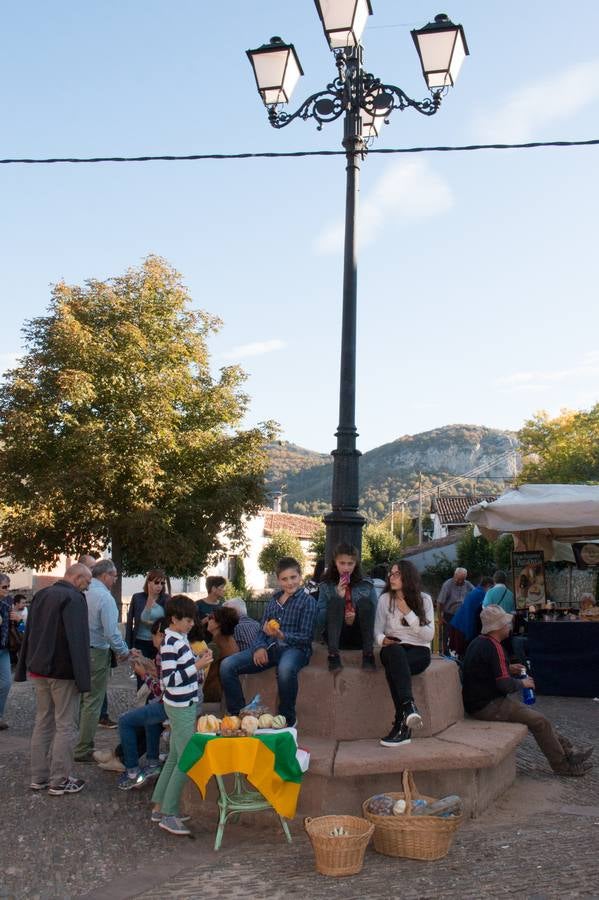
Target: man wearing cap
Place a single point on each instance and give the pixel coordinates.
(490, 693)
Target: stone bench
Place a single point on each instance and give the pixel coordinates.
(342, 715)
(353, 704)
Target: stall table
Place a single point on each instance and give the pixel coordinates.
(564, 655)
(268, 761)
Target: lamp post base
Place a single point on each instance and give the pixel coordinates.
(343, 527)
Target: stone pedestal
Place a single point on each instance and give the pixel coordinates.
(342, 715)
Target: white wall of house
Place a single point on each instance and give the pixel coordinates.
(428, 557)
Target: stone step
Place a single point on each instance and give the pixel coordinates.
(476, 760)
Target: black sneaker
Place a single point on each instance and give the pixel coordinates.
(368, 662)
(412, 717)
(334, 662)
(399, 736)
(68, 786)
(106, 722)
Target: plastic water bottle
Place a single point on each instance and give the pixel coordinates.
(528, 694)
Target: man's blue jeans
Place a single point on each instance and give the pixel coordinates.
(5, 679)
(288, 660)
(149, 717)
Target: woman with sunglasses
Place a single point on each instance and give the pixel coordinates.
(404, 628)
(146, 607)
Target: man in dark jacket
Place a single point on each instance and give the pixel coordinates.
(491, 684)
(56, 655)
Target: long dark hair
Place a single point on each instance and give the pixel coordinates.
(151, 576)
(411, 588)
(332, 573)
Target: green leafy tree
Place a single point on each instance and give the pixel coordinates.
(318, 543)
(379, 545)
(113, 431)
(502, 549)
(437, 572)
(282, 543)
(562, 450)
(476, 554)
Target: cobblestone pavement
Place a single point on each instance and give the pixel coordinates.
(541, 840)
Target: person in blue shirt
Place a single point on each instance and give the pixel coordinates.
(500, 594)
(465, 623)
(104, 636)
(284, 642)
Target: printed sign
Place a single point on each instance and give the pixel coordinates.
(529, 578)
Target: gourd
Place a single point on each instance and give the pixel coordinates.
(273, 624)
(230, 723)
(339, 832)
(208, 725)
(265, 721)
(249, 724)
(279, 722)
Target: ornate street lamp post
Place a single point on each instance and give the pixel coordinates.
(365, 103)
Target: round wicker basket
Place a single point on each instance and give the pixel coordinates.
(339, 855)
(414, 837)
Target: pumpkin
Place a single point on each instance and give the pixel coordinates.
(208, 725)
(230, 723)
(279, 722)
(265, 721)
(249, 724)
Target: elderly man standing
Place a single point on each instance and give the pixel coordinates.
(451, 596)
(55, 653)
(104, 634)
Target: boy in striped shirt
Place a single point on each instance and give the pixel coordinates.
(181, 678)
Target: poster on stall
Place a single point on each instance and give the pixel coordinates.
(529, 578)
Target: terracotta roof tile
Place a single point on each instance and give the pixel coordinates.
(300, 526)
(452, 510)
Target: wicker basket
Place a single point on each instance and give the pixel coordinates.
(415, 837)
(343, 855)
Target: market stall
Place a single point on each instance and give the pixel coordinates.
(551, 522)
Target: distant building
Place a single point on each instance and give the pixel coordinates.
(431, 552)
(449, 513)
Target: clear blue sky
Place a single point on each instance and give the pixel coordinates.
(477, 271)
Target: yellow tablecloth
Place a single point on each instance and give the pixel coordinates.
(268, 760)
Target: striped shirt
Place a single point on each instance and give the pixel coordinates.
(179, 676)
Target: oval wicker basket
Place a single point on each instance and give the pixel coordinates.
(414, 837)
(343, 855)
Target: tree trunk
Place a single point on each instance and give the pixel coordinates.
(117, 558)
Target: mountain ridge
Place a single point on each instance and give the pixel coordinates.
(392, 470)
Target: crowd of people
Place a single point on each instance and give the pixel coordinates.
(184, 652)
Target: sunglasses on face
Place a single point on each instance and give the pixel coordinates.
(158, 581)
(5, 587)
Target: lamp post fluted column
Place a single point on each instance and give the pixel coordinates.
(344, 523)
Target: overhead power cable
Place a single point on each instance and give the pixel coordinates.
(194, 157)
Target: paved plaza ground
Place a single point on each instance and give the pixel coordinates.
(541, 840)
